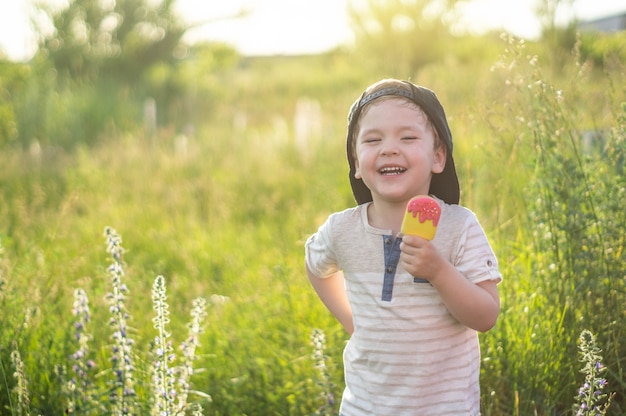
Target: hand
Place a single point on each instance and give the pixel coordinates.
(474, 305)
(419, 257)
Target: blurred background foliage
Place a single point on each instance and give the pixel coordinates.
(103, 60)
(215, 167)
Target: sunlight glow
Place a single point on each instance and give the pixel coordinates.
(298, 26)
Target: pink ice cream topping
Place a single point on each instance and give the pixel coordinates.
(428, 209)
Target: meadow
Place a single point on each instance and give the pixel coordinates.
(205, 232)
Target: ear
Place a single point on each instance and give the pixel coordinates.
(439, 159)
(357, 170)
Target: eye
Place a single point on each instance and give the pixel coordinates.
(409, 138)
(372, 139)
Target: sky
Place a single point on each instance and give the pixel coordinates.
(295, 26)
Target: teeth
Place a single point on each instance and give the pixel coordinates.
(392, 170)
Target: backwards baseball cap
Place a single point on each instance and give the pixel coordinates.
(444, 185)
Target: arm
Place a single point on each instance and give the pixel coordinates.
(332, 292)
(475, 305)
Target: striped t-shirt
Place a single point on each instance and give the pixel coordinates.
(408, 355)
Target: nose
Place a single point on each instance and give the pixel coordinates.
(389, 148)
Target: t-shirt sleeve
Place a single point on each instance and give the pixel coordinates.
(475, 258)
(319, 256)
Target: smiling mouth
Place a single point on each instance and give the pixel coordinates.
(396, 170)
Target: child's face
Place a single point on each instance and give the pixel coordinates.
(395, 153)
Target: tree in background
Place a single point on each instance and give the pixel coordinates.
(98, 63)
(398, 37)
(121, 39)
(559, 39)
(13, 77)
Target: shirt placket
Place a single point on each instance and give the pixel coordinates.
(392, 256)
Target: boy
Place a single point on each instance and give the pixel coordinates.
(411, 306)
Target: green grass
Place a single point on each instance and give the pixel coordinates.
(212, 225)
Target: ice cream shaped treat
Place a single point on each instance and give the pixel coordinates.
(421, 217)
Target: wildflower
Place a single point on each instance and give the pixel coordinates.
(79, 387)
(162, 377)
(591, 400)
(122, 358)
(318, 340)
(188, 348)
(23, 397)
